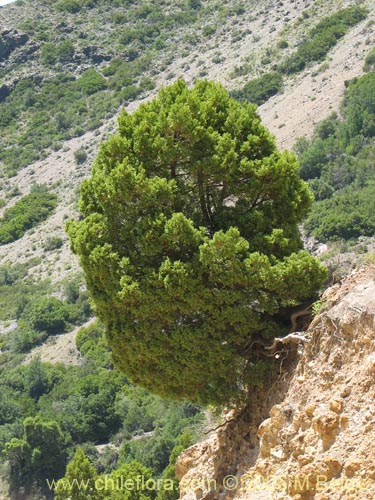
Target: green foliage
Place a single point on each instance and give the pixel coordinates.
(139, 479)
(370, 61)
(259, 90)
(194, 4)
(40, 316)
(208, 30)
(91, 343)
(24, 339)
(348, 214)
(48, 315)
(283, 44)
(53, 243)
(40, 454)
(91, 82)
(90, 402)
(79, 480)
(52, 53)
(184, 441)
(58, 109)
(16, 289)
(339, 163)
(11, 274)
(72, 6)
(80, 156)
(84, 406)
(322, 38)
(157, 425)
(65, 51)
(26, 213)
(318, 307)
(182, 277)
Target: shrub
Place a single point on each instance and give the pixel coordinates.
(11, 274)
(26, 213)
(322, 38)
(259, 90)
(209, 30)
(71, 6)
(53, 243)
(370, 61)
(48, 54)
(91, 82)
(283, 44)
(24, 339)
(46, 315)
(348, 214)
(80, 156)
(178, 277)
(65, 51)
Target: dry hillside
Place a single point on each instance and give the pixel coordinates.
(317, 443)
(307, 98)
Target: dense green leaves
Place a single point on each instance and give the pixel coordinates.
(370, 61)
(322, 38)
(79, 480)
(39, 454)
(260, 89)
(339, 164)
(347, 215)
(190, 242)
(26, 213)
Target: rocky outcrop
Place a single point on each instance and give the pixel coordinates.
(96, 54)
(10, 40)
(317, 444)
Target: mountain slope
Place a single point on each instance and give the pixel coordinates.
(241, 44)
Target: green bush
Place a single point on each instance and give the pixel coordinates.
(48, 54)
(283, 44)
(10, 274)
(72, 6)
(370, 61)
(26, 213)
(322, 38)
(91, 82)
(91, 344)
(80, 156)
(209, 30)
(65, 51)
(259, 90)
(46, 315)
(24, 339)
(348, 214)
(53, 243)
(339, 163)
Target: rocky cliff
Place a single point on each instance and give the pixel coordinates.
(317, 443)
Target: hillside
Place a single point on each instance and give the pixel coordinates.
(67, 68)
(307, 97)
(316, 443)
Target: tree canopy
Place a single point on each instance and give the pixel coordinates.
(190, 245)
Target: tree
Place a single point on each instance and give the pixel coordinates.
(79, 480)
(190, 245)
(130, 481)
(38, 456)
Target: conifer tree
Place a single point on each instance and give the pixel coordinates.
(190, 245)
